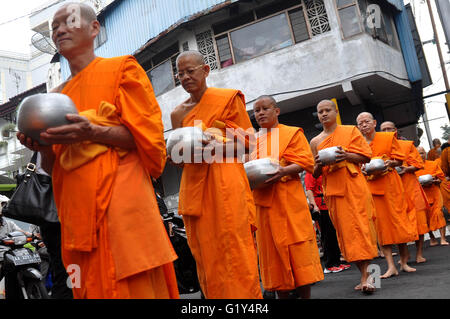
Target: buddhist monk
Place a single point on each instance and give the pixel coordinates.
(413, 191)
(435, 152)
(287, 248)
(393, 222)
(101, 164)
(445, 158)
(444, 162)
(436, 218)
(215, 196)
(347, 195)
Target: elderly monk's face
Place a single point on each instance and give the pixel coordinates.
(366, 124)
(266, 113)
(192, 73)
(422, 152)
(71, 33)
(327, 113)
(387, 127)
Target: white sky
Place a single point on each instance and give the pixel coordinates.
(15, 36)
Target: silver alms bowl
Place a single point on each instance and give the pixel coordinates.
(426, 179)
(183, 139)
(328, 155)
(260, 170)
(39, 112)
(376, 165)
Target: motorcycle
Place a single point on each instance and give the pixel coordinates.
(19, 260)
(185, 267)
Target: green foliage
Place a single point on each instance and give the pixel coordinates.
(446, 133)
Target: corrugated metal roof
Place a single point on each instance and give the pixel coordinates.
(130, 24)
(397, 3)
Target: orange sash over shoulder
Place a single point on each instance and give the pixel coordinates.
(344, 136)
(386, 146)
(82, 194)
(263, 197)
(212, 113)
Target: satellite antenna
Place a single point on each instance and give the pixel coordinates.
(42, 42)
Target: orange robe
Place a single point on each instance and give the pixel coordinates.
(287, 247)
(413, 190)
(218, 208)
(436, 218)
(445, 188)
(445, 161)
(348, 197)
(111, 229)
(433, 154)
(393, 222)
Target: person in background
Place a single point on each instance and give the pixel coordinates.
(330, 245)
(435, 152)
(436, 216)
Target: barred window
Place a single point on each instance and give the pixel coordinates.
(205, 44)
(269, 28)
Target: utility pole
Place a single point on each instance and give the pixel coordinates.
(441, 58)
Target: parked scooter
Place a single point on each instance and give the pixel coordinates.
(19, 260)
(185, 267)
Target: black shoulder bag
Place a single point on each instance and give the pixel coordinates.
(32, 201)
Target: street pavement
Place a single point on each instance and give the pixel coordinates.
(430, 281)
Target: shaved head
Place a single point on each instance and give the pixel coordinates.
(366, 123)
(86, 12)
(436, 142)
(365, 114)
(422, 152)
(198, 57)
(269, 98)
(388, 126)
(327, 102)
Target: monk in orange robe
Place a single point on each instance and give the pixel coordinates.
(101, 165)
(436, 216)
(444, 164)
(445, 188)
(287, 248)
(393, 222)
(445, 158)
(346, 191)
(215, 197)
(435, 152)
(415, 195)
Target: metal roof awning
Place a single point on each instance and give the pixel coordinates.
(397, 4)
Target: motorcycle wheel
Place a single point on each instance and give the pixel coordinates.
(36, 289)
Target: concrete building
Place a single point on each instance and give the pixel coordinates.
(361, 52)
(22, 75)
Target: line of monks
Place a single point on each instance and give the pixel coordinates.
(223, 215)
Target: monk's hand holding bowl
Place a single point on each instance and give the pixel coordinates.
(318, 162)
(341, 155)
(80, 129)
(277, 175)
(30, 143)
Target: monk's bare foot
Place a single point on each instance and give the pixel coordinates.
(358, 287)
(389, 273)
(368, 287)
(433, 242)
(420, 260)
(407, 268)
(444, 243)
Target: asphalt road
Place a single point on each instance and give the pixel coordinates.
(430, 281)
